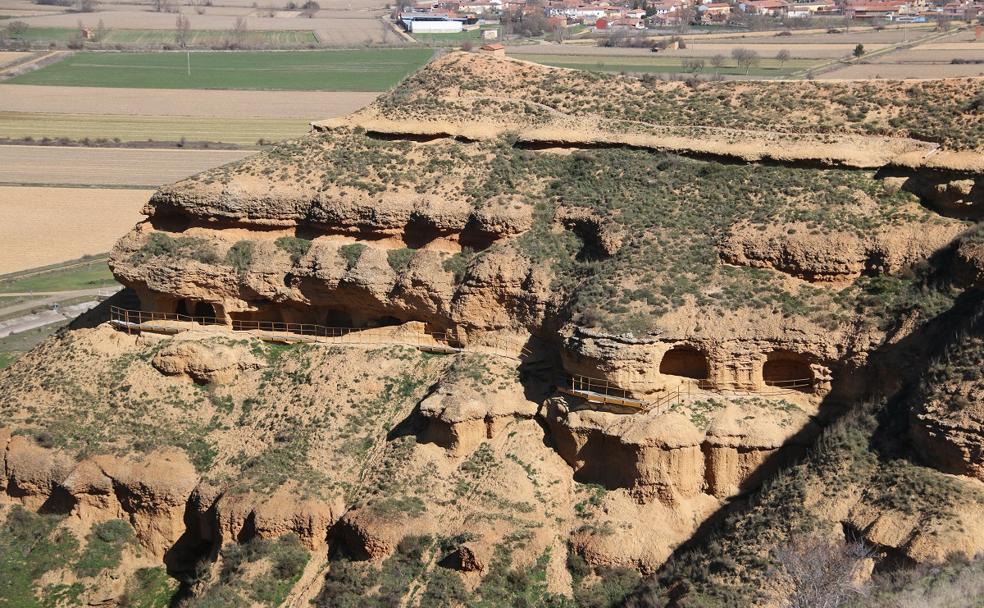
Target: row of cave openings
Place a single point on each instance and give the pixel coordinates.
(781, 368)
(328, 317)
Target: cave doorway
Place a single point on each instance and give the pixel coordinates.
(686, 362)
(338, 318)
(386, 322)
(182, 309)
(786, 369)
(206, 310)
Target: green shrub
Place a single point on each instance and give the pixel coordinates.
(160, 244)
(294, 246)
(149, 588)
(240, 256)
(399, 259)
(30, 546)
(351, 254)
(104, 547)
(458, 263)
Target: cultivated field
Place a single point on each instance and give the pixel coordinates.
(351, 31)
(157, 38)
(48, 165)
(361, 70)
(10, 57)
(41, 226)
(694, 49)
(905, 71)
(306, 105)
(240, 131)
(768, 66)
(237, 117)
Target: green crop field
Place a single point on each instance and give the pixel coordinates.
(664, 65)
(77, 275)
(474, 36)
(199, 38)
(357, 70)
(241, 131)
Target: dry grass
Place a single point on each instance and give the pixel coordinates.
(43, 165)
(41, 226)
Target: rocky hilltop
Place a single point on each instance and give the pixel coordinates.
(521, 334)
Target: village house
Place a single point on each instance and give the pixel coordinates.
(772, 8)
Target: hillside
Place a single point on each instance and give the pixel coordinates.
(524, 336)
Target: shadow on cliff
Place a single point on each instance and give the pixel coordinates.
(891, 376)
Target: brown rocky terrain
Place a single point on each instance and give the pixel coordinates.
(536, 338)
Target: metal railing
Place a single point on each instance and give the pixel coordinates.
(439, 341)
(794, 383)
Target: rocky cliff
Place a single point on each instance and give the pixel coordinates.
(571, 307)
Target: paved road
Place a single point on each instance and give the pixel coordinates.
(45, 317)
(55, 165)
(50, 297)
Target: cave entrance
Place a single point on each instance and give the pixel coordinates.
(338, 318)
(386, 322)
(182, 309)
(686, 362)
(786, 369)
(205, 309)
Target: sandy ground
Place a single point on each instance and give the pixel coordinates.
(176, 102)
(904, 71)
(41, 226)
(106, 166)
(10, 57)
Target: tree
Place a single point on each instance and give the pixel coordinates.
(17, 29)
(182, 30)
(745, 57)
(859, 51)
(101, 31)
(240, 30)
(718, 61)
(693, 65)
(821, 574)
(86, 6)
(782, 57)
(163, 6)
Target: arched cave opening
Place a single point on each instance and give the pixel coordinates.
(685, 361)
(788, 370)
(338, 318)
(182, 308)
(205, 309)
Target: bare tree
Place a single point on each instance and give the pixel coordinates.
(101, 31)
(182, 31)
(821, 574)
(782, 57)
(240, 30)
(86, 6)
(745, 57)
(693, 64)
(163, 6)
(718, 61)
